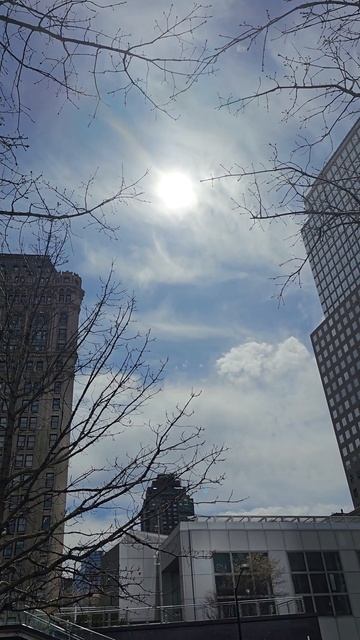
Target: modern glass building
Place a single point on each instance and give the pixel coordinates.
(332, 240)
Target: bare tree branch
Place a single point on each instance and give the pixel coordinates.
(112, 450)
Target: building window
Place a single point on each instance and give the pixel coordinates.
(57, 387)
(19, 546)
(30, 442)
(45, 525)
(56, 404)
(52, 440)
(27, 387)
(21, 442)
(21, 524)
(54, 424)
(318, 577)
(7, 553)
(49, 480)
(63, 318)
(62, 335)
(28, 460)
(256, 578)
(35, 406)
(19, 460)
(33, 422)
(47, 501)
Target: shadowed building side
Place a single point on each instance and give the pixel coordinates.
(39, 315)
(332, 240)
(166, 504)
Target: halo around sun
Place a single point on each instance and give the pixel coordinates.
(176, 190)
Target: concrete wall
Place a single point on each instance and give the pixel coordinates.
(138, 565)
(296, 628)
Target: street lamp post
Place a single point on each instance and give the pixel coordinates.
(243, 568)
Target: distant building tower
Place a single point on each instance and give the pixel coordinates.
(332, 240)
(88, 579)
(39, 313)
(166, 504)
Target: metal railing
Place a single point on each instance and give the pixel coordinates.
(350, 519)
(216, 610)
(56, 627)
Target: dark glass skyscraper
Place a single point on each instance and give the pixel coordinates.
(332, 240)
(166, 504)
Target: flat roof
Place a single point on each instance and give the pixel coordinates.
(341, 517)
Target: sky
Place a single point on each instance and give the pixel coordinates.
(205, 277)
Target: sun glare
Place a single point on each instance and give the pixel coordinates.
(176, 191)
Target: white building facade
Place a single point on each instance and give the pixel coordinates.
(316, 559)
(133, 569)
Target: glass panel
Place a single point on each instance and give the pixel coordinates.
(222, 562)
(297, 561)
(308, 604)
(337, 582)
(263, 586)
(267, 608)
(49, 481)
(301, 583)
(247, 609)
(342, 606)
(323, 606)
(226, 610)
(332, 561)
(319, 583)
(314, 561)
(245, 586)
(224, 586)
(240, 562)
(19, 546)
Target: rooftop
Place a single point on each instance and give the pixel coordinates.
(338, 517)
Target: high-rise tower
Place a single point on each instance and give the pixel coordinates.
(39, 311)
(166, 504)
(332, 240)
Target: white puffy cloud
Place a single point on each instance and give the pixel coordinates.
(261, 360)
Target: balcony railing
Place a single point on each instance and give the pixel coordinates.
(217, 610)
(53, 626)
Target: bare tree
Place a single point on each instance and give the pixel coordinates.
(307, 56)
(43, 355)
(80, 49)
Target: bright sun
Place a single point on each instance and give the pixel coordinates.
(176, 191)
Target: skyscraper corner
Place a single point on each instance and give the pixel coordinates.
(331, 236)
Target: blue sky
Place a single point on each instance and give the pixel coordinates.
(202, 275)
